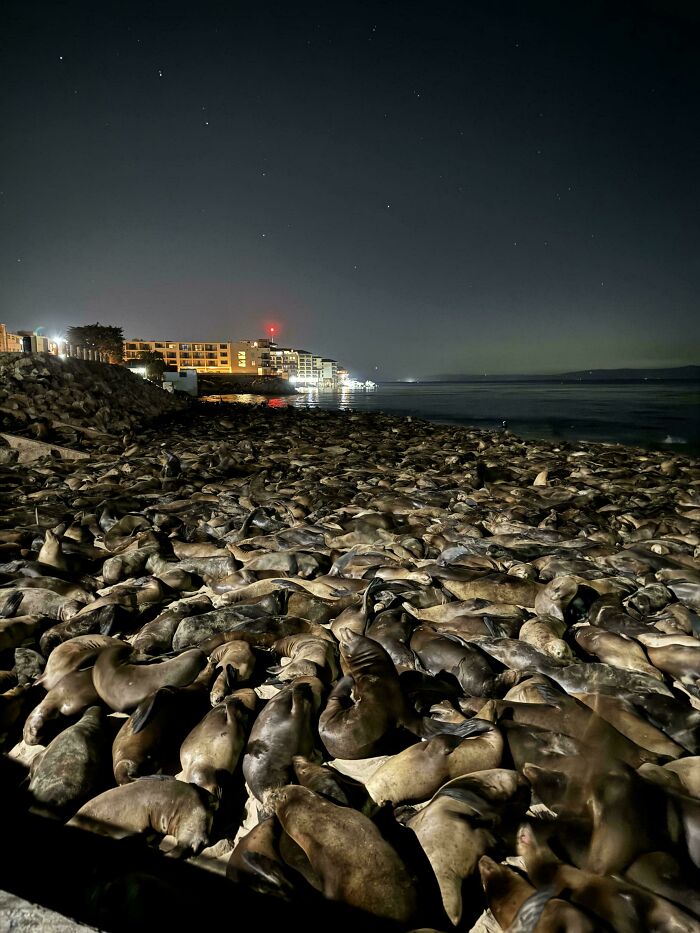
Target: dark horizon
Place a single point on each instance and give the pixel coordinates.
(411, 190)
(686, 373)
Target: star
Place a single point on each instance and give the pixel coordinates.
(160, 73)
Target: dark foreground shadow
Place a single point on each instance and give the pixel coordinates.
(119, 885)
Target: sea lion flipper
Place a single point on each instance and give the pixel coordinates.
(146, 710)
(549, 694)
(11, 605)
(267, 868)
(530, 912)
(432, 727)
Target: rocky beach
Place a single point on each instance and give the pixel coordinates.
(445, 677)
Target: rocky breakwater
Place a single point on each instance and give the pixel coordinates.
(243, 384)
(421, 671)
(66, 401)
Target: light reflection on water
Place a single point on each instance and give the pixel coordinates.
(652, 414)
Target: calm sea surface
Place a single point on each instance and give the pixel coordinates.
(651, 414)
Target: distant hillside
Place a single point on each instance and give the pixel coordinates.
(682, 373)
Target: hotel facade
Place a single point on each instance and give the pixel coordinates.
(246, 357)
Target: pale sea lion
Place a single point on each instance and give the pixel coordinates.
(453, 846)
(417, 772)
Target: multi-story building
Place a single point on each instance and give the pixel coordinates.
(208, 357)
(285, 360)
(246, 357)
(328, 374)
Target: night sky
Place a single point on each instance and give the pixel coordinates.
(443, 187)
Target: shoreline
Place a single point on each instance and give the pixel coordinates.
(527, 558)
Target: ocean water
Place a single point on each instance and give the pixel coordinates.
(658, 415)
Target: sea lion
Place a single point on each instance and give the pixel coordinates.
(123, 684)
(365, 704)
(234, 664)
(284, 728)
(29, 665)
(417, 772)
(688, 771)
(77, 653)
(309, 656)
(453, 846)
(507, 892)
(614, 649)
(625, 907)
(347, 853)
(71, 768)
(623, 717)
(99, 620)
(447, 653)
(155, 804)
(71, 696)
(210, 752)
(149, 740)
(15, 632)
(545, 635)
(257, 860)
(321, 780)
(660, 872)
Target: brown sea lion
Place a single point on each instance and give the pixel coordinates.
(234, 664)
(661, 873)
(321, 780)
(210, 752)
(70, 697)
(507, 892)
(70, 768)
(365, 704)
(256, 858)
(347, 853)
(149, 740)
(155, 804)
(123, 684)
(77, 653)
(14, 632)
(284, 728)
(625, 907)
